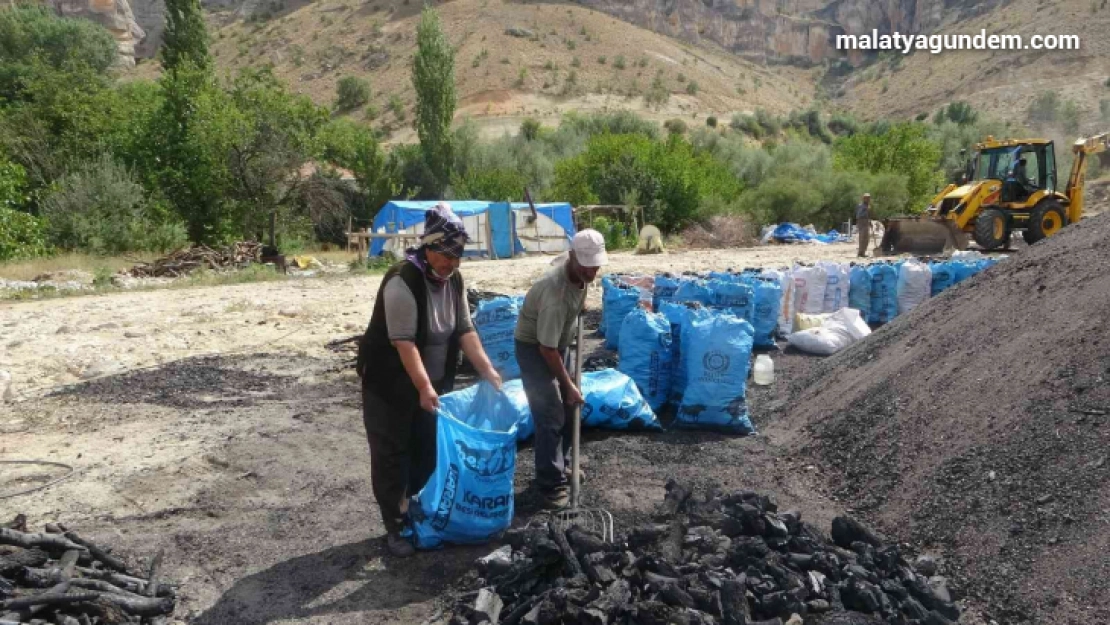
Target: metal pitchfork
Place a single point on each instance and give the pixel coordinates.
(596, 521)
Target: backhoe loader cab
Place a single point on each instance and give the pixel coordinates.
(1014, 189)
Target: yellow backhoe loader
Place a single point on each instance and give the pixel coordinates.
(1010, 186)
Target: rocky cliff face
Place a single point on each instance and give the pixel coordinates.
(791, 31)
(773, 31)
(115, 15)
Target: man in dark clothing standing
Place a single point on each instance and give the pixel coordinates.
(543, 333)
(863, 224)
(407, 359)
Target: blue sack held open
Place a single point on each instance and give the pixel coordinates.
(469, 497)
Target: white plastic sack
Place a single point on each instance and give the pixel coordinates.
(915, 285)
(837, 286)
(840, 330)
(786, 310)
(809, 289)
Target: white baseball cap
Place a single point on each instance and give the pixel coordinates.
(589, 248)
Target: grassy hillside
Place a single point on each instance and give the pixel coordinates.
(561, 58)
(1002, 82)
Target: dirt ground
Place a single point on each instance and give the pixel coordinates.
(216, 425)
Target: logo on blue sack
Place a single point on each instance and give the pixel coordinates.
(502, 313)
(486, 462)
(447, 500)
(716, 362)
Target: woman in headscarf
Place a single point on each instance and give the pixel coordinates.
(407, 360)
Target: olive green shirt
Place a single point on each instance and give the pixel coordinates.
(550, 310)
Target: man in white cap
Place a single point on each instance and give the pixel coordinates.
(863, 224)
(543, 332)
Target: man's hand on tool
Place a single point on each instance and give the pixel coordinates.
(572, 396)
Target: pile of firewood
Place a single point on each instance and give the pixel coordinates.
(59, 577)
(187, 260)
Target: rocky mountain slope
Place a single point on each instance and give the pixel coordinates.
(115, 15)
(513, 61)
(1000, 82)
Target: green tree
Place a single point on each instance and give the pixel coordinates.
(433, 76)
(275, 133)
(902, 149)
(489, 184)
(35, 40)
(185, 40)
(186, 152)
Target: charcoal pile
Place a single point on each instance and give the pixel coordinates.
(474, 296)
(187, 260)
(731, 559)
(59, 577)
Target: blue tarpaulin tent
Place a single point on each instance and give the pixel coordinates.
(509, 225)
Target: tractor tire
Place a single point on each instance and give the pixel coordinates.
(992, 229)
(1029, 237)
(1047, 219)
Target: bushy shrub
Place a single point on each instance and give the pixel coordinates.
(1045, 107)
(746, 124)
(352, 92)
(842, 124)
(675, 126)
(618, 236)
(530, 129)
(21, 235)
(100, 208)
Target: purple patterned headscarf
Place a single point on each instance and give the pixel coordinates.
(444, 233)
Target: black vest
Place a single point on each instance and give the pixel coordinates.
(379, 363)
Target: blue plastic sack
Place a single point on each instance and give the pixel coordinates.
(614, 403)
(884, 293)
(735, 298)
(791, 233)
(718, 356)
(768, 304)
(859, 291)
(617, 302)
(943, 277)
(679, 315)
(664, 290)
(489, 409)
(962, 271)
(693, 290)
(645, 347)
(495, 321)
(469, 498)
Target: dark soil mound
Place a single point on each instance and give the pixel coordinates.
(979, 426)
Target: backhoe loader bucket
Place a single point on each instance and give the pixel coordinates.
(921, 235)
